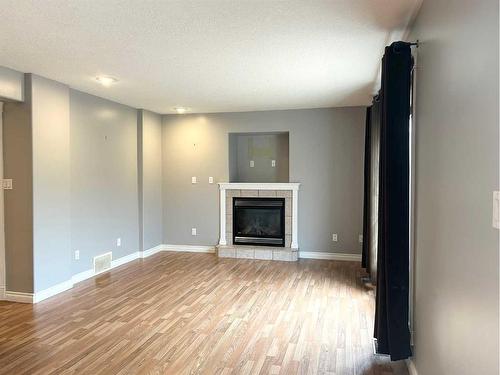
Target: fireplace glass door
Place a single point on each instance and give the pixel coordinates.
(259, 221)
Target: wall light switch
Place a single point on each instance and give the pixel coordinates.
(7, 184)
(252, 164)
(360, 238)
(496, 209)
(210, 180)
(118, 242)
(273, 163)
(193, 231)
(193, 180)
(334, 237)
(77, 254)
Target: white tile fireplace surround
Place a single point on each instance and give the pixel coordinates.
(289, 191)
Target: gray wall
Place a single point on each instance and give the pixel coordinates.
(456, 301)
(261, 148)
(74, 161)
(51, 182)
(11, 84)
(104, 184)
(150, 178)
(18, 165)
(326, 156)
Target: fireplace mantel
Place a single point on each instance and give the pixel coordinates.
(293, 187)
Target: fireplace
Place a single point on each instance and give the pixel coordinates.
(259, 221)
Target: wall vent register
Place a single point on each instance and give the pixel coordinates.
(102, 262)
(259, 221)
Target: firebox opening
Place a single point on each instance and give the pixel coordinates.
(259, 221)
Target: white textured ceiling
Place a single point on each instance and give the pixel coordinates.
(209, 56)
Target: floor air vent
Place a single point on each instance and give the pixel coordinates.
(102, 262)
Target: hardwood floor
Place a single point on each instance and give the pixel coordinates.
(182, 313)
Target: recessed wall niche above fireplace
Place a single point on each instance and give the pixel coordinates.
(259, 221)
(259, 157)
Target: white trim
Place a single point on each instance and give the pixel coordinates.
(79, 277)
(52, 291)
(295, 215)
(118, 262)
(2, 293)
(19, 297)
(412, 370)
(152, 251)
(190, 248)
(68, 284)
(330, 256)
(82, 276)
(259, 186)
(222, 205)
(125, 259)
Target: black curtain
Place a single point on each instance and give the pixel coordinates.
(365, 257)
(371, 188)
(374, 188)
(391, 317)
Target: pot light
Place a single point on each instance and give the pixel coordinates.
(180, 110)
(106, 80)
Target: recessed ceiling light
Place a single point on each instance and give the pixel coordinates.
(180, 110)
(106, 80)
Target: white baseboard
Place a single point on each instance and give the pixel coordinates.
(189, 248)
(117, 262)
(152, 251)
(330, 256)
(52, 291)
(2, 293)
(412, 370)
(125, 259)
(65, 285)
(19, 297)
(81, 276)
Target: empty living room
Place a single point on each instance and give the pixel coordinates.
(249, 187)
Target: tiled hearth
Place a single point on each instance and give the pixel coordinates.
(258, 252)
(288, 191)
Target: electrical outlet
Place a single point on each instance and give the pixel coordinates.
(360, 238)
(273, 163)
(210, 180)
(118, 242)
(252, 164)
(334, 237)
(193, 231)
(77, 254)
(193, 180)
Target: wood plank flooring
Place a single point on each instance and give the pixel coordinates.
(185, 313)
